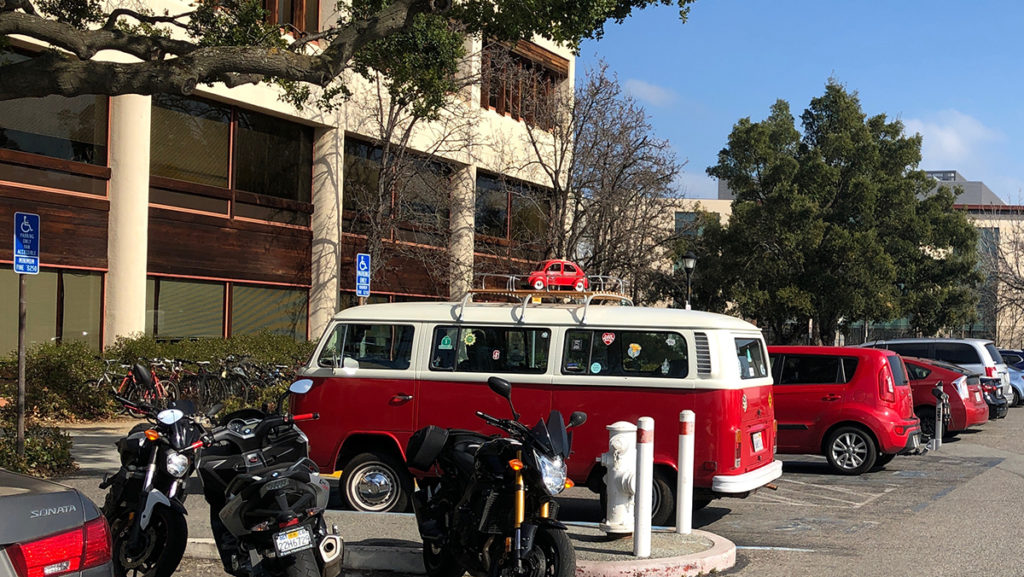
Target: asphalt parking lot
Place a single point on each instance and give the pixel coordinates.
(950, 512)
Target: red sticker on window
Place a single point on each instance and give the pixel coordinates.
(496, 354)
(608, 339)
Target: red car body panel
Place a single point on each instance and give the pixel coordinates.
(374, 408)
(963, 412)
(808, 412)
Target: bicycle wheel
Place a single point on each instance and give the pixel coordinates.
(168, 392)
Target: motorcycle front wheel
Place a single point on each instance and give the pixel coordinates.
(160, 548)
(552, 555)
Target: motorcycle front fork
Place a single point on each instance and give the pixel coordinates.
(524, 533)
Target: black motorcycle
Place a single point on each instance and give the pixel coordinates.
(491, 512)
(267, 497)
(145, 501)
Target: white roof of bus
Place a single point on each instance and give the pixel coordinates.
(554, 314)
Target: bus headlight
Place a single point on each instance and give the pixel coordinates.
(552, 472)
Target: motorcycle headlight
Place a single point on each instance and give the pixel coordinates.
(552, 472)
(177, 464)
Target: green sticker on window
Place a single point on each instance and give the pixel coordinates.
(446, 343)
(469, 339)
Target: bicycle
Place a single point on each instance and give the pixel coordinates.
(142, 385)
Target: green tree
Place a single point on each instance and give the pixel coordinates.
(416, 43)
(832, 224)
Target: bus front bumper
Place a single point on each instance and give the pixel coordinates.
(746, 482)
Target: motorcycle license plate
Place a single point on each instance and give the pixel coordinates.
(293, 541)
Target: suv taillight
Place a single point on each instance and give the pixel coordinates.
(886, 386)
(74, 550)
(991, 372)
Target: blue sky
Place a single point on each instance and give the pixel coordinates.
(952, 71)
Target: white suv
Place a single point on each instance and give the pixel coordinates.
(979, 355)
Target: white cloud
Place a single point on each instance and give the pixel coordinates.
(650, 93)
(953, 140)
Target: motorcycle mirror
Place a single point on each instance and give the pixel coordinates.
(170, 416)
(576, 419)
(503, 388)
(301, 386)
(214, 410)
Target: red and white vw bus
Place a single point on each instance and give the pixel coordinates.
(383, 371)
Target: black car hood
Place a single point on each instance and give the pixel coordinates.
(32, 508)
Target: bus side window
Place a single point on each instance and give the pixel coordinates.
(442, 352)
(577, 352)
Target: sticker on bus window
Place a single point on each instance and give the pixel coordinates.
(495, 354)
(469, 339)
(446, 343)
(670, 341)
(633, 351)
(608, 339)
(571, 366)
(665, 367)
(576, 345)
(595, 368)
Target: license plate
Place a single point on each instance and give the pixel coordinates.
(758, 442)
(977, 396)
(288, 542)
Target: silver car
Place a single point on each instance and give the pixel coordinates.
(49, 529)
(977, 355)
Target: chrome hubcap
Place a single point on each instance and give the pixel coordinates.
(376, 489)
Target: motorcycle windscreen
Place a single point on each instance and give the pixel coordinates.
(557, 433)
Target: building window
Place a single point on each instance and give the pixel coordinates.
(179, 309)
(62, 305)
(246, 164)
(281, 311)
(414, 206)
(72, 129)
(491, 206)
(686, 224)
(521, 82)
(295, 16)
(526, 224)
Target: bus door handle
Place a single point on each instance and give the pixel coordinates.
(831, 397)
(400, 398)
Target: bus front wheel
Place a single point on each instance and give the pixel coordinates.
(377, 483)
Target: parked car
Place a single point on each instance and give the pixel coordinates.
(977, 355)
(1013, 357)
(50, 529)
(1016, 386)
(994, 398)
(558, 274)
(967, 406)
(853, 405)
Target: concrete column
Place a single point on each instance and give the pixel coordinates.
(463, 224)
(324, 294)
(128, 222)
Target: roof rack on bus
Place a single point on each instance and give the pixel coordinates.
(527, 296)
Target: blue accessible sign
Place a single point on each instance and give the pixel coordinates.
(362, 275)
(26, 243)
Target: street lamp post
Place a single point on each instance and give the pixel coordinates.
(689, 262)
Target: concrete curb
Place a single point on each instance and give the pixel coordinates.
(721, 556)
(409, 560)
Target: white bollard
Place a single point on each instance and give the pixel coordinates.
(684, 480)
(644, 487)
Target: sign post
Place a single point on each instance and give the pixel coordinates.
(26, 261)
(362, 276)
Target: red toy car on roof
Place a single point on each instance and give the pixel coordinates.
(558, 274)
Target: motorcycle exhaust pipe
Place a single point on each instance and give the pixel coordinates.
(332, 549)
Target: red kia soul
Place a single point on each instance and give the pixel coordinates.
(852, 405)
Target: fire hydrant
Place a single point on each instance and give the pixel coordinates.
(620, 477)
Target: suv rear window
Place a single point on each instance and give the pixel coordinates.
(908, 349)
(899, 372)
(996, 355)
(957, 353)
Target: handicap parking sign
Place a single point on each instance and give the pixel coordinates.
(26, 243)
(362, 275)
